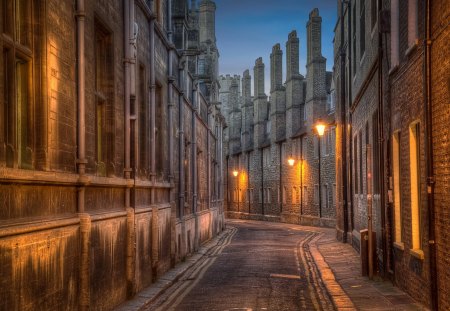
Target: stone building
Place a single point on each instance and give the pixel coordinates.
(392, 145)
(110, 147)
(264, 132)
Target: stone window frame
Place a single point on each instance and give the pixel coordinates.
(362, 29)
(413, 25)
(397, 188)
(17, 107)
(143, 123)
(373, 14)
(104, 98)
(316, 193)
(415, 189)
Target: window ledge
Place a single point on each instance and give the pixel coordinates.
(393, 69)
(418, 253)
(363, 58)
(399, 245)
(412, 48)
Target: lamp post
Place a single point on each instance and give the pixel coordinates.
(320, 127)
(235, 174)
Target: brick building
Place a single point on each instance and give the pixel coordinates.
(110, 147)
(391, 72)
(263, 133)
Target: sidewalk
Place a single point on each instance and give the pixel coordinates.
(340, 267)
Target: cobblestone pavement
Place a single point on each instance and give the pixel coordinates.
(271, 266)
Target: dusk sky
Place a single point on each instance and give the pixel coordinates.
(247, 29)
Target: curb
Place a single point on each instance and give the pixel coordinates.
(340, 299)
(147, 296)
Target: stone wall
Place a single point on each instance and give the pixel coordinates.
(266, 187)
(73, 239)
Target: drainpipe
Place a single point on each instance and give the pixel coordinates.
(343, 129)
(195, 103)
(170, 91)
(262, 181)
(208, 171)
(281, 179)
(181, 146)
(152, 109)
(381, 142)
(130, 33)
(434, 288)
(349, 129)
(127, 71)
(301, 176)
(83, 180)
(81, 83)
(248, 183)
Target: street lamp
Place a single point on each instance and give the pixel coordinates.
(320, 127)
(291, 161)
(235, 174)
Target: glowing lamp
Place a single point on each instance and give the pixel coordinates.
(291, 161)
(235, 173)
(320, 127)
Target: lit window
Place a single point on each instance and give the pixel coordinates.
(396, 163)
(414, 164)
(16, 110)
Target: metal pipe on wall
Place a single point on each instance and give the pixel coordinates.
(434, 289)
(343, 129)
(85, 220)
(127, 95)
(381, 143)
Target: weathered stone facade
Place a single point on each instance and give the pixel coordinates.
(393, 108)
(262, 134)
(110, 147)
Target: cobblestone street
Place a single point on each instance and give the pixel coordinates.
(270, 266)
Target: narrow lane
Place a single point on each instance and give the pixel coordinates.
(261, 266)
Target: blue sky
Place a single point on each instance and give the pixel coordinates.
(247, 29)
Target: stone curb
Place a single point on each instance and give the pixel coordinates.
(147, 296)
(340, 299)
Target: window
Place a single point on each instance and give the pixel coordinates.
(316, 194)
(355, 163)
(396, 163)
(333, 196)
(394, 33)
(331, 101)
(374, 12)
(412, 23)
(284, 195)
(305, 195)
(201, 66)
(16, 110)
(104, 88)
(325, 196)
(414, 163)
(157, 9)
(361, 179)
(294, 194)
(362, 28)
(269, 195)
(375, 154)
(159, 129)
(268, 127)
(251, 195)
(266, 157)
(354, 39)
(143, 124)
